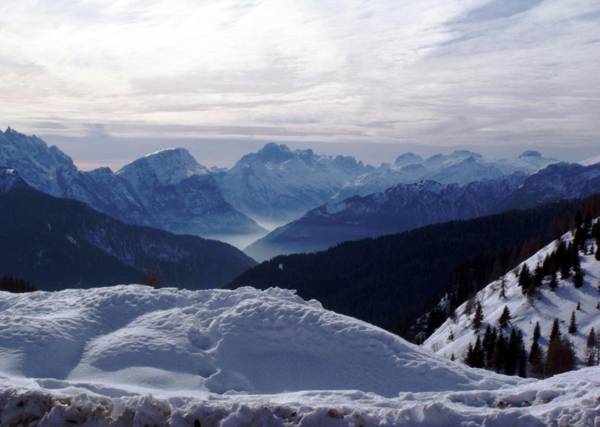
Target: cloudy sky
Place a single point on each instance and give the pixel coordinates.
(108, 79)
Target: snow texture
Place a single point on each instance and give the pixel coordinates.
(134, 356)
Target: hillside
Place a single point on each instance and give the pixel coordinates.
(559, 300)
(399, 208)
(59, 243)
(391, 280)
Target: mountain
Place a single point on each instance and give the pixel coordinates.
(167, 190)
(277, 184)
(390, 281)
(555, 182)
(459, 167)
(58, 243)
(527, 309)
(408, 206)
(399, 208)
(183, 196)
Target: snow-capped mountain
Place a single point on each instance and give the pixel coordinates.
(408, 206)
(399, 208)
(183, 196)
(131, 355)
(57, 243)
(167, 190)
(277, 184)
(556, 298)
(555, 182)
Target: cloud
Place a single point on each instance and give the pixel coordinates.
(456, 71)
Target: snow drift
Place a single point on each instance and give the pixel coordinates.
(174, 341)
(135, 356)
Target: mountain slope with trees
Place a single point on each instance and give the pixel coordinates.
(59, 243)
(540, 319)
(392, 280)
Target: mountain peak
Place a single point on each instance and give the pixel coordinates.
(168, 166)
(407, 159)
(273, 152)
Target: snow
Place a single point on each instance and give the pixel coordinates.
(544, 308)
(212, 341)
(567, 400)
(591, 161)
(133, 355)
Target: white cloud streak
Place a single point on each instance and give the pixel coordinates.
(436, 72)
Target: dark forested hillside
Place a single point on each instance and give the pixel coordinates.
(392, 280)
(58, 243)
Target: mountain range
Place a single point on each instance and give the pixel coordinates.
(170, 190)
(408, 206)
(59, 243)
(167, 190)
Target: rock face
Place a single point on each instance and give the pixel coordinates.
(167, 189)
(59, 243)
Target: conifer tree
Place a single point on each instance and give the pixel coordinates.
(537, 333)
(555, 333)
(525, 279)
(500, 353)
(591, 349)
(573, 324)
(578, 277)
(504, 318)
(478, 317)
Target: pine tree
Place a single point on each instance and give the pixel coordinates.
(573, 324)
(578, 277)
(525, 279)
(503, 287)
(452, 358)
(504, 318)
(555, 333)
(591, 349)
(537, 333)
(597, 256)
(522, 361)
(500, 353)
(478, 317)
(536, 355)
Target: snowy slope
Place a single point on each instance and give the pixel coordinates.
(549, 305)
(172, 341)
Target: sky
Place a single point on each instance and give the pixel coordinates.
(109, 80)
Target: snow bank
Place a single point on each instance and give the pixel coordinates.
(112, 341)
(566, 400)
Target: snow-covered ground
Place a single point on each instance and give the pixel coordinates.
(543, 308)
(132, 355)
